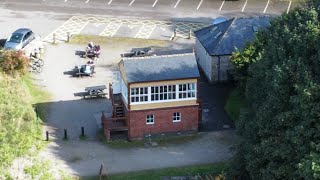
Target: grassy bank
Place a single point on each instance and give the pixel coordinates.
(19, 125)
(156, 174)
(116, 41)
(235, 103)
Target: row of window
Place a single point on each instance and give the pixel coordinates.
(176, 117)
(161, 93)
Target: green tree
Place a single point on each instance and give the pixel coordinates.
(281, 129)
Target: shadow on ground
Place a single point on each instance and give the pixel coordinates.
(213, 99)
(2, 42)
(74, 114)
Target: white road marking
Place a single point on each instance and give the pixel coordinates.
(289, 7)
(155, 2)
(87, 1)
(221, 5)
(65, 0)
(177, 4)
(265, 9)
(199, 4)
(110, 2)
(244, 6)
(131, 3)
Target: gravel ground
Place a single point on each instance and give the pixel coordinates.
(66, 111)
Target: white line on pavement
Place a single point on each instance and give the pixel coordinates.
(244, 6)
(155, 2)
(289, 7)
(177, 4)
(265, 9)
(87, 1)
(65, 0)
(221, 5)
(131, 3)
(110, 2)
(199, 4)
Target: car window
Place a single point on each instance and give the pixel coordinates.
(26, 36)
(16, 37)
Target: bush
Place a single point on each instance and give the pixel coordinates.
(13, 62)
(235, 103)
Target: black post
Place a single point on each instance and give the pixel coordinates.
(65, 134)
(82, 131)
(47, 136)
(54, 38)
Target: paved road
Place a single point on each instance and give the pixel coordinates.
(153, 9)
(84, 158)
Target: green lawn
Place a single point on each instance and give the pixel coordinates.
(235, 103)
(156, 174)
(116, 41)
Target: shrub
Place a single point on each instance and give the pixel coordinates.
(13, 62)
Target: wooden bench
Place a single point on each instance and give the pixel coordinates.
(94, 91)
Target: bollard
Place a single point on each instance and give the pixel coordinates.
(47, 136)
(174, 32)
(82, 131)
(65, 134)
(54, 38)
(101, 171)
(189, 35)
(68, 36)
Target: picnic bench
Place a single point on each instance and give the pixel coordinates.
(78, 73)
(137, 52)
(93, 91)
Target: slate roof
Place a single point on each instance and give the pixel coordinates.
(223, 38)
(157, 68)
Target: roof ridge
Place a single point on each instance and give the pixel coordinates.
(225, 32)
(155, 56)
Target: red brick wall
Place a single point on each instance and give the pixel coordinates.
(163, 121)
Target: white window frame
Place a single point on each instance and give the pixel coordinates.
(158, 96)
(137, 93)
(150, 118)
(176, 117)
(190, 88)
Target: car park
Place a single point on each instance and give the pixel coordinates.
(19, 39)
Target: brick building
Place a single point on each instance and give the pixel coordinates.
(155, 95)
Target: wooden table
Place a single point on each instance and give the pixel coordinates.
(93, 91)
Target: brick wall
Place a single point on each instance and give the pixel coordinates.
(163, 122)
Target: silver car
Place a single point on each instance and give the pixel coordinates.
(19, 39)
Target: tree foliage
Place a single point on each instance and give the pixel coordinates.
(281, 129)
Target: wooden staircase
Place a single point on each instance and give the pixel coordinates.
(118, 110)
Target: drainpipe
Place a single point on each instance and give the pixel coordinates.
(218, 68)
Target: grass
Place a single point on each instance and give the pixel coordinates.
(38, 95)
(83, 138)
(161, 141)
(19, 124)
(156, 174)
(235, 103)
(116, 41)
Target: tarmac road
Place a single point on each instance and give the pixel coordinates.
(153, 9)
